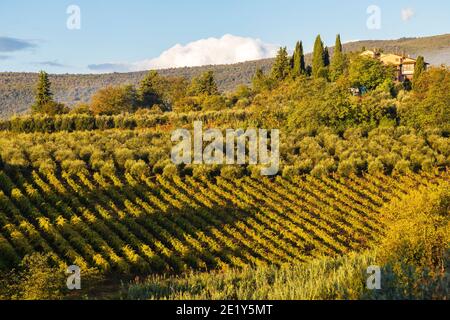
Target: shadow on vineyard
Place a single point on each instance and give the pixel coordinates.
(153, 224)
(113, 224)
(412, 257)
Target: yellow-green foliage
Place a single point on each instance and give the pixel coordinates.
(324, 278)
(412, 255)
(418, 231)
(38, 278)
(321, 279)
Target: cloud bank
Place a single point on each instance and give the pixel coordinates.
(407, 14)
(212, 51)
(53, 63)
(8, 44)
(109, 67)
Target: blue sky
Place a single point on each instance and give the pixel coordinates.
(118, 35)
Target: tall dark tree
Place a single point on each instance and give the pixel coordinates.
(326, 57)
(419, 68)
(338, 62)
(298, 60)
(148, 89)
(281, 67)
(43, 92)
(318, 63)
(338, 45)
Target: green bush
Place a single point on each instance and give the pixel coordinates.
(38, 278)
(232, 172)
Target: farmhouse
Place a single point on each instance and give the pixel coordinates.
(404, 65)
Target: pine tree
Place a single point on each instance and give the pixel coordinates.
(318, 63)
(281, 66)
(338, 62)
(298, 60)
(43, 92)
(419, 68)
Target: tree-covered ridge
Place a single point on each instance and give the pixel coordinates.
(17, 89)
(326, 126)
(338, 91)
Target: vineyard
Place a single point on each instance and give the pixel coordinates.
(133, 224)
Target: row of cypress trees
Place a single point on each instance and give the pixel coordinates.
(322, 65)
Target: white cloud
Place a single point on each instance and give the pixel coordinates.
(407, 14)
(226, 50)
(350, 41)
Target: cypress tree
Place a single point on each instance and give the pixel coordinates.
(298, 60)
(326, 57)
(419, 68)
(43, 92)
(318, 62)
(292, 60)
(338, 46)
(302, 59)
(338, 61)
(282, 66)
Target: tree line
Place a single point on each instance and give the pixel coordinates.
(317, 94)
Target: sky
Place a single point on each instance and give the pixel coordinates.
(82, 36)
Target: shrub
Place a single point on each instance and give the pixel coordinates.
(208, 171)
(232, 172)
(347, 168)
(38, 278)
(74, 167)
(419, 229)
(324, 167)
(375, 166)
(114, 100)
(137, 168)
(290, 172)
(215, 102)
(52, 108)
(402, 167)
(170, 170)
(121, 155)
(107, 168)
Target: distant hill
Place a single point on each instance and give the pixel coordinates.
(16, 89)
(435, 49)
